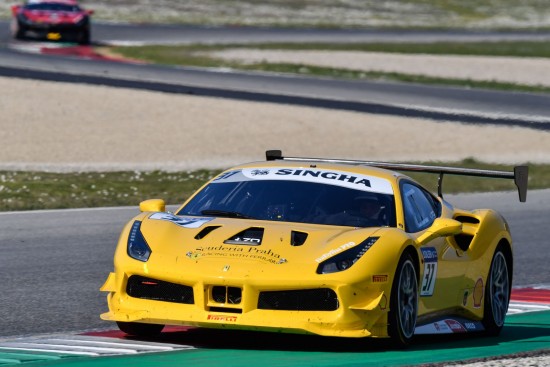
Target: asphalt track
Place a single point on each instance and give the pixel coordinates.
(53, 262)
(408, 100)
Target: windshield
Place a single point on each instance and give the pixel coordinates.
(53, 7)
(294, 199)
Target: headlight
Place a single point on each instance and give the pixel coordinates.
(346, 259)
(137, 246)
(23, 18)
(82, 22)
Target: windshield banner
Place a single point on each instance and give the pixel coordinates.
(330, 177)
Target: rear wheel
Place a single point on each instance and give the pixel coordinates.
(403, 303)
(497, 294)
(139, 329)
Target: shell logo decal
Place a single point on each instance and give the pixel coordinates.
(478, 293)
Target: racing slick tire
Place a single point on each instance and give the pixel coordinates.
(84, 37)
(17, 30)
(403, 302)
(497, 294)
(139, 329)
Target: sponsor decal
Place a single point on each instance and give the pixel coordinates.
(257, 172)
(335, 251)
(244, 241)
(449, 326)
(379, 278)
(478, 293)
(187, 222)
(322, 175)
(383, 302)
(437, 327)
(455, 326)
(251, 253)
(330, 177)
(226, 175)
(225, 318)
(429, 254)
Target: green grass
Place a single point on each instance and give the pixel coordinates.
(395, 77)
(197, 55)
(405, 14)
(41, 190)
(501, 48)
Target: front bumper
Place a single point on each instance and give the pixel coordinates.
(360, 311)
(45, 30)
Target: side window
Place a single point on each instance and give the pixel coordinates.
(419, 207)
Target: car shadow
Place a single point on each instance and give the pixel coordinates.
(256, 340)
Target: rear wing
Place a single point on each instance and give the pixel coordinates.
(519, 175)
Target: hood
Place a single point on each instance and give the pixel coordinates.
(267, 245)
(53, 17)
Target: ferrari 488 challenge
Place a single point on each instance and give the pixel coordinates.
(307, 245)
(52, 20)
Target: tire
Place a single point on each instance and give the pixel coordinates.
(139, 329)
(497, 294)
(403, 302)
(84, 37)
(18, 31)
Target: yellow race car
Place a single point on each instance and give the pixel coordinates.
(307, 245)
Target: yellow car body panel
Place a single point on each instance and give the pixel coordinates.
(223, 283)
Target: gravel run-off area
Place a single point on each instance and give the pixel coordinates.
(63, 127)
(517, 70)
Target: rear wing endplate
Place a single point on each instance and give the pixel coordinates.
(519, 175)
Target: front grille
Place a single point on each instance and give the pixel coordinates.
(225, 310)
(321, 299)
(158, 290)
(231, 295)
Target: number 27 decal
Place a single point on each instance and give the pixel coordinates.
(430, 271)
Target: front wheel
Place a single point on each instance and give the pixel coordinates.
(139, 329)
(84, 37)
(497, 294)
(404, 302)
(17, 30)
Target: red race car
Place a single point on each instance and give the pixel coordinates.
(51, 20)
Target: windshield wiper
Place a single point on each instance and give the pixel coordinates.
(225, 213)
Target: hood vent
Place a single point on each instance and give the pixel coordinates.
(297, 238)
(205, 231)
(251, 236)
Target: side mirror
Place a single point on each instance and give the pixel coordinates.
(15, 9)
(441, 227)
(152, 205)
(90, 12)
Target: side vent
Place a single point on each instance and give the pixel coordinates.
(205, 232)
(297, 238)
(463, 241)
(251, 236)
(469, 229)
(467, 219)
